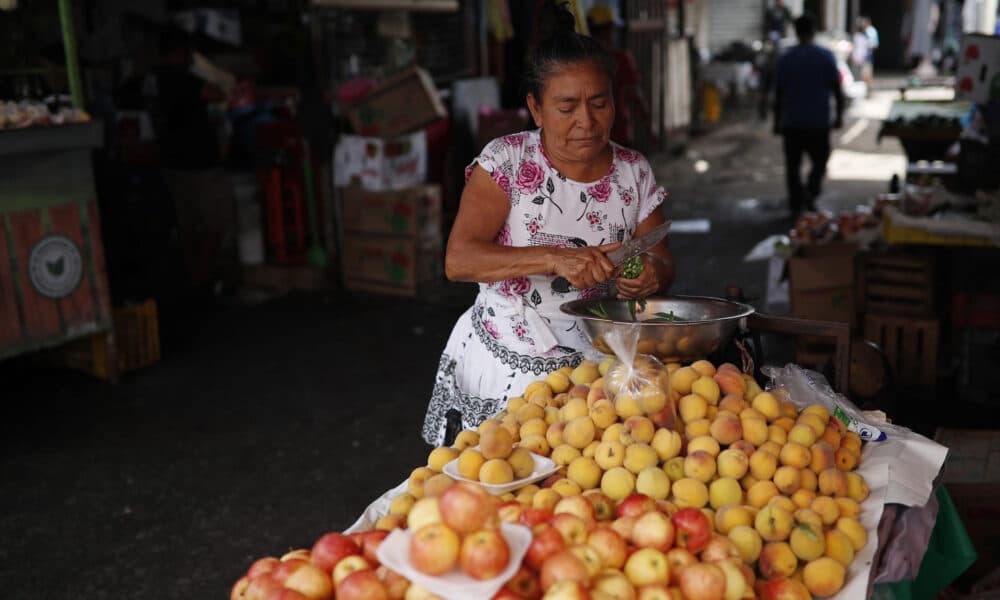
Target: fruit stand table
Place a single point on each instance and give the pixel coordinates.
(53, 285)
(925, 128)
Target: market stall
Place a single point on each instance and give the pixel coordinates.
(53, 286)
(636, 478)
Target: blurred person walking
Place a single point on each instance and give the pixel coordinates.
(776, 20)
(806, 79)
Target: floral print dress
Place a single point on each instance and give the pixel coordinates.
(514, 333)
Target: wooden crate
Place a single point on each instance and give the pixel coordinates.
(135, 344)
(896, 284)
(909, 344)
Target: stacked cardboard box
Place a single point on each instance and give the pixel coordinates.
(821, 288)
(392, 239)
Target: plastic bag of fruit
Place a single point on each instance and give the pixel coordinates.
(638, 384)
(804, 387)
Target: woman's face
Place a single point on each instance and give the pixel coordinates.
(576, 111)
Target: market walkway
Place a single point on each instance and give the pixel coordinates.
(265, 426)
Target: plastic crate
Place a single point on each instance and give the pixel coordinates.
(909, 344)
(896, 284)
(136, 344)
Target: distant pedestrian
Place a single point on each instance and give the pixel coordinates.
(860, 50)
(806, 78)
(776, 20)
(872, 34)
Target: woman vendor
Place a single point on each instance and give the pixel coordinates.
(539, 205)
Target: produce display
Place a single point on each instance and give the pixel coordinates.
(673, 482)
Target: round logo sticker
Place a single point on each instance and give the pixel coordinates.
(55, 266)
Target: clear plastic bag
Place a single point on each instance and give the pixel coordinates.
(803, 387)
(638, 384)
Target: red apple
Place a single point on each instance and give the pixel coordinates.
(434, 549)
(604, 507)
(653, 530)
(525, 584)
(288, 594)
(311, 581)
(573, 529)
(720, 548)
(647, 565)
(329, 549)
(579, 506)
(239, 589)
(702, 581)
(610, 545)
(652, 591)
(262, 565)
(567, 590)
(679, 558)
(563, 566)
(299, 553)
(534, 516)
(625, 527)
(466, 507)
(370, 541)
(484, 554)
(362, 585)
(510, 512)
(348, 565)
(693, 530)
(544, 544)
(781, 588)
(395, 584)
(635, 504)
(612, 584)
(282, 572)
(261, 587)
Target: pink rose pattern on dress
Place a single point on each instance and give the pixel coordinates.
(503, 236)
(627, 155)
(514, 140)
(600, 191)
(530, 177)
(502, 181)
(524, 173)
(491, 328)
(515, 287)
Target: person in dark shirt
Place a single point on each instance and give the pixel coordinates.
(776, 20)
(806, 78)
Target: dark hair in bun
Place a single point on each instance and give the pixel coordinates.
(559, 45)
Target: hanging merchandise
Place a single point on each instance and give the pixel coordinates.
(498, 17)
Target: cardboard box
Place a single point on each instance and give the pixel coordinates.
(381, 164)
(402, 103)
(393, 265)
(821, 282)
(414, 211)
(978, 75)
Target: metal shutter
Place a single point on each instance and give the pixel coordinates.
(730, 20)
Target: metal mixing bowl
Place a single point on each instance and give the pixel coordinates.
(707, 323)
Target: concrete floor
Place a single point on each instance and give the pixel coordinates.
(266, 426)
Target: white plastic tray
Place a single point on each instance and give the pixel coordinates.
(394, 552)
(543, 468)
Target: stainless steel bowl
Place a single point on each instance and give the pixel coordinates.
(707, 323)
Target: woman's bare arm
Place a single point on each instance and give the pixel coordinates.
(473, 255)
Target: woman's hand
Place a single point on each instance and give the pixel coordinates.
(646, 284)
(584, 267)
